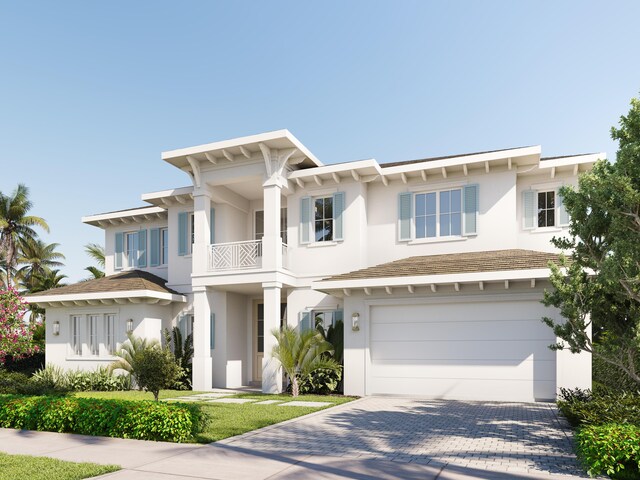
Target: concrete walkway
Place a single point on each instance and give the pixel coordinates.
(373, 438)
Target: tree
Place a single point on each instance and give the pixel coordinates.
(16, 226)
(129, 353)
(16, 337)
(156, 369)
(38, 258)
(96, 252)
(301, 353)
(47, 281)
(599, 285)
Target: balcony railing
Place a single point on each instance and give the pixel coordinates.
(227, 256)
(285, 256)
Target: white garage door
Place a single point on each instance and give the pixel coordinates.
(494, 350)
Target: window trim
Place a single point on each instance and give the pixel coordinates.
(163, 259)
(437, 237)
(314, 221)
(127, 265)
(546, 209)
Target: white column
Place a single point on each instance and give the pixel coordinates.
(271, 242)
(202, 231)
(271, 371)
(202, 365)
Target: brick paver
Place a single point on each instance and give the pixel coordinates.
(510, 437)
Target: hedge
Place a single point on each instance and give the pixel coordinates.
(611, 449)
(140, 420)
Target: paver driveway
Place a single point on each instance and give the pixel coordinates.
(508, 437)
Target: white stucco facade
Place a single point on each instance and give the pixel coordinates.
(241, 255)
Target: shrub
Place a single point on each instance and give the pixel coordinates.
(322, 381)
(583, 407)
(99, 417)
(183, 353)
(156, 369)
(610, 449)
(27, 365)
(19, 383)
(101, 379)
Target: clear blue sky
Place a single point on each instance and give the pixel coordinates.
(92, 92)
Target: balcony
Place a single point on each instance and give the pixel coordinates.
(239, 255)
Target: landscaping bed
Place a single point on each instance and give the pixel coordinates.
(13, 467)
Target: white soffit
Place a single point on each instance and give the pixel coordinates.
(134, 215)
(106, 298)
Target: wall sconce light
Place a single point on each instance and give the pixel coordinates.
(130, 325)
(56, 328)
(355, 322)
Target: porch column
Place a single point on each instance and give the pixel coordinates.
(202, 365)
(271, 241)
(271, 371)
(201, 230)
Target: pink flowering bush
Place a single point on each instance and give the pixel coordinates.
(16, 337)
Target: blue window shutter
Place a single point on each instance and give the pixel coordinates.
(183, 233)
(338, 210)
(563, 215)
(212, 334)
(405, 214)
(305, 220)
(212, 226)
(470, 199)
(154, 247)
(529, 209)
(119, 250)
(142, 248)
(305, 321)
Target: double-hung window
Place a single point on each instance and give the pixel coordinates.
(76, 340)
(438, 214)
(320, 319)
(543, 208)
(131, 249)
(323, 211)
(546, 209)
(164, 246)
(321, 218)
(110, 333)
(94, 346)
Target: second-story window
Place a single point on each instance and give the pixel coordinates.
(131, 249)
(323, 216)
(259, 224)
(438, 214)
(546, 209)
(164, 246)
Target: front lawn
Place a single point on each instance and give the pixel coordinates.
(230, 419)
(13, 467)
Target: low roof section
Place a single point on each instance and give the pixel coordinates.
(447, 269)
(132, 286)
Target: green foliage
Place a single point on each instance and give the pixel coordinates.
(102, 379)
(96, 252)
(321, 381)
(583, 407)
(19, 383)
(335, 336)
(611, 449)
(140, 420)
(156, 369)
(129, 354)
(301, 353)
(16, 337)
(37, 258)
(601, 285)
(183, 353)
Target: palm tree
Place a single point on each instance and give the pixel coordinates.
(46, 281)
(96, 252)
(38, 258)
(130, 353)
(16, 226)
(301, 354)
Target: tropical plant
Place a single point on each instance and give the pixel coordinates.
(130, 353)
(37, 258)
(96, 252)
(183, 353)
(16, 226)
(301, 353)
(47, 281)
(598, 289)
(16, 337)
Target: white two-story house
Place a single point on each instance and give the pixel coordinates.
(437, 267)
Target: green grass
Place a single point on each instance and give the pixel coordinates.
(228, 420)
(13, 467)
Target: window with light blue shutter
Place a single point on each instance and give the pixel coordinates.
(305, 321)
(119, 250)
(212, 226)
(154, 247)
(183, 233)
(563, 215)
(405, 213)
(142, 248)
(338, 211)
(529, 209)
(212, 334)
(470, 198)
(305, 220)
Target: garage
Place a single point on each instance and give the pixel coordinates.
(477, 347)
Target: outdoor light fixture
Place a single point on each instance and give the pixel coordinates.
(355, 322)
(56, 328)
(130, 325)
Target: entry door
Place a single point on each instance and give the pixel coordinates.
(258, 336)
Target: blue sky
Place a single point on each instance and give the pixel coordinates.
(92, 92)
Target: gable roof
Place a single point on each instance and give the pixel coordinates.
(473, 262)
(131, 280)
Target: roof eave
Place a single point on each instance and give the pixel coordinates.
(80, 299)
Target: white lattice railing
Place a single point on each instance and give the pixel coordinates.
(285, 255)
(225, 256)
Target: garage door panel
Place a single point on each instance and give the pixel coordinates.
(529, 329)
(481, 370)
(513, 350)
(469, 349)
